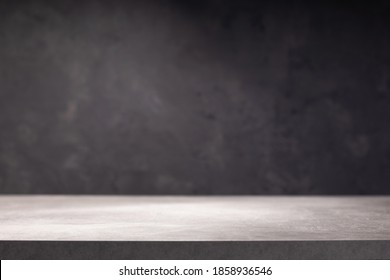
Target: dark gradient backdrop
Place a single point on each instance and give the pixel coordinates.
(195, 97)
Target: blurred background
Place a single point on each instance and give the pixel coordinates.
(194, 97)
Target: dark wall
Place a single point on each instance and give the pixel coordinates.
(195, 97)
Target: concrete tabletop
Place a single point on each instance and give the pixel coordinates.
(195, 218)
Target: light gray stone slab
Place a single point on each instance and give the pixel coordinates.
(195, 218)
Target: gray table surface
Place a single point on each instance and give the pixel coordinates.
(194, 218)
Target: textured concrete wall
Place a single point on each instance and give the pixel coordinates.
(194, 97)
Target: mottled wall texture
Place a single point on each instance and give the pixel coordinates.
(194, 97)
